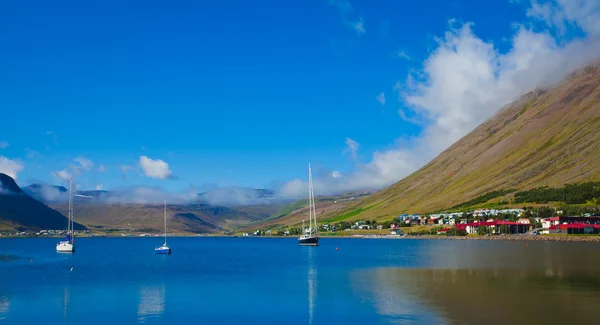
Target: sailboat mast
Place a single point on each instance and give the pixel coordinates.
(310, 199)
(314, 208)
(165, 222)
(70, 225)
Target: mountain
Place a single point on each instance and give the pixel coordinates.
(547, 138)
(196, 218)
(121, 211)
(295, 212)
(46, 193)
(234, 196)
(20, 211)
(52, 194)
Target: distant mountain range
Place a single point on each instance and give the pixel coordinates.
(22, 212)
(112, 210)
(235, 196)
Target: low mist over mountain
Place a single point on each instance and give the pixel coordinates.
(236, 196)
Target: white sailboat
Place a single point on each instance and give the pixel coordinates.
(310, 236)
(67, 245)
(164, 249)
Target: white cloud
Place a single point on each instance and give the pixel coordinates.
(101, 168)
(155, 168)
(84, 163)
(64, 174)
(465, 81)
(402, 55)
(381, 98)
(352, 147)
(3, 144)
(561, 13)
(336, 174)
(347, 11)
(359, 26)
(10, 167)
(99, 187)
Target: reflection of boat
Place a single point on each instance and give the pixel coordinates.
(152, 302)
(67, 245)
(164, 249)
(310, 236)
(312, 286)
(65, 305)
(4, 307)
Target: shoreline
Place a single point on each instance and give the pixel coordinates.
(564, 238)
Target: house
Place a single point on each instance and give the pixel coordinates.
(495, 227)
(575, 228)
(549, 222)
(558, 224)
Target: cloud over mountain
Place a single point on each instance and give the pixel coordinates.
(466, 80)
(10, 167)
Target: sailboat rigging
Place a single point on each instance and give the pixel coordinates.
(310, 236)
(164, 249)
(67, 245)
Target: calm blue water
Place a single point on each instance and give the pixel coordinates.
(275, 281)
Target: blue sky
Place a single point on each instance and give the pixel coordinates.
(230, 92)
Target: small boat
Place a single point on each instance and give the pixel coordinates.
(310, 235)
(164, 249)
(67, 245)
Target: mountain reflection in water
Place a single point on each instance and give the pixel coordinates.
(489, 296)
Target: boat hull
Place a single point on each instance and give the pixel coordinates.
(308, 241)
(162, 251)
(65, 247)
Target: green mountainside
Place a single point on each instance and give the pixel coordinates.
(547, 138)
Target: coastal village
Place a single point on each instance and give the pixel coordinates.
(477, 222)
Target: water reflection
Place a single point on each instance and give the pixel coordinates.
(312, 284)
(65, 304)
(152, 303)
(492, 296)
(4, 307)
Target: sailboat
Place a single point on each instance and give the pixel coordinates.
(164, 249)
(310, 236)
(67, 245)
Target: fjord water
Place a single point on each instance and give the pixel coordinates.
(275, 281)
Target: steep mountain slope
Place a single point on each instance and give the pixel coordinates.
(19, 211)
(547, 138)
